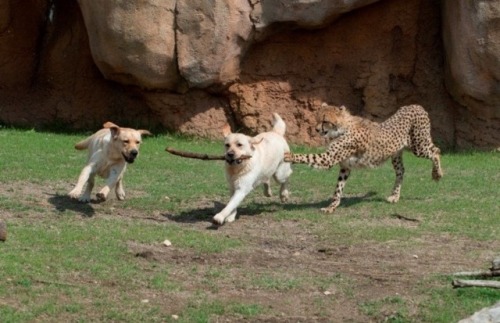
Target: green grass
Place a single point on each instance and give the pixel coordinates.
(66, 261)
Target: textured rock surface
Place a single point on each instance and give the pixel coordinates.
(471, 31)
(486, 315)
(212, 35)
(191, 66)
(133, 42)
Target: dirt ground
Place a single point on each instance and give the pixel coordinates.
(352, 275)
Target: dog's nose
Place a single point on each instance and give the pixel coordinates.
(230, 154)
(134, 153)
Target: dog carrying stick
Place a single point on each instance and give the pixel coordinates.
(198, 155)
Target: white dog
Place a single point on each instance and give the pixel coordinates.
(110, 150)
(251, 161)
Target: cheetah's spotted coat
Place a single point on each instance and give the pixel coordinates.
(357, 142)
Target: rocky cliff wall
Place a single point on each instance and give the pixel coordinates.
(190, 66)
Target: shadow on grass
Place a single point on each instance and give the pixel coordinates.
(205, 214)
(64, 203)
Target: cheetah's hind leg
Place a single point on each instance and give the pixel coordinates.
(437, 171)
(397, 164)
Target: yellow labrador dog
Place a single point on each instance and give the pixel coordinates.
(251, 161)
(110, 150)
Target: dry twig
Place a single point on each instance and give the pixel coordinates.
(476, 283)
(188, 154)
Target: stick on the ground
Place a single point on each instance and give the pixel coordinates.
(495, 264)
(475, 283)
(483, 274)
(402, 217)
(188, 154)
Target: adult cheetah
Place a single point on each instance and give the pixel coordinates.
(357, 142)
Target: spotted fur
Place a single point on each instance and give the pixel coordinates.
(357, 142)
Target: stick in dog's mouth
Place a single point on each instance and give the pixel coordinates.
(237, 161)
(187, 154)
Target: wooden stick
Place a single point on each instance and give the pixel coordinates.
(188, 154)
(475, 283)
(495, 264)
(3, 231)
(478, 273)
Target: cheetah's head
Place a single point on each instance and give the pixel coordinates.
(332, 121)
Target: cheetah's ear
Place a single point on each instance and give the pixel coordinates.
(324, 104)
(343, 108)
(226, 130)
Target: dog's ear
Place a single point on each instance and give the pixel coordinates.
(109, 125)
(226, 130)
(145, 132)
(115, 130)
(254, 141)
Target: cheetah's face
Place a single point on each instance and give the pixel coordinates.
(330, 121)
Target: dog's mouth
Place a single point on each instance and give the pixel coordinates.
(129, 159)
(236, 161)
(233, 161)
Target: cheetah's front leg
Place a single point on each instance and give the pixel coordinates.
(337, 195)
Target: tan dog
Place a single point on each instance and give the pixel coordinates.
(110, 150)
(266, 152)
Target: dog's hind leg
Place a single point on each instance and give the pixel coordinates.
(281, 176)
(267, 188)
(115, 173)
(88, 190)
(119, 191)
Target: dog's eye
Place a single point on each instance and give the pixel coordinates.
(126, 141)
(239, 145)
(227, 145)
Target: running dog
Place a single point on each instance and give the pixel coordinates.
(109, 151)
(251, 161)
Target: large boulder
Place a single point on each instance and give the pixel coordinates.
(471, 33)
(22, 27)
(133, 42)
(212, 36)
(486, 315)
(137, 42)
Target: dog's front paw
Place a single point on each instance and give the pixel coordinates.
(218, 219)
(74, 194)
(101, 197)
(120, 195)
(288, 157)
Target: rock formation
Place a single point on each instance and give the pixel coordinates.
(190, 66)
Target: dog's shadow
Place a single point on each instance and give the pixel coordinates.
(205, 214)
(63, 203)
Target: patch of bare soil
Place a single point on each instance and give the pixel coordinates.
(314, 280)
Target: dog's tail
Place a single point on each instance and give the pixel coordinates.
(279, 125)
(84, 144)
